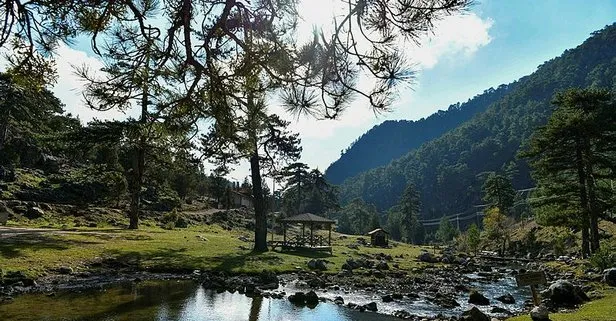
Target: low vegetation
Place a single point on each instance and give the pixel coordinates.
(178, 250)
(598, 310)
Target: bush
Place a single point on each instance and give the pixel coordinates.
(173, 219)
(171, 216)
(603, 258)
(562, 241)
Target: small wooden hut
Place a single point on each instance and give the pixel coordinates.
(304, 241)
(379, 237)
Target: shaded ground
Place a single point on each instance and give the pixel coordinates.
(37, 251)
(11, 231)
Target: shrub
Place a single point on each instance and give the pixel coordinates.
(603, 258)
(171, 216)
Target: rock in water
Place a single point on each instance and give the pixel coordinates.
(609, 276)
(403, 314)
(563, 293)
(499, 310)
(539, 313)
(371, 307)
(478, 299)
(312, 299)
(507, 299)
(387, 298)
(474, 314)
(299, 298)
(339, 300)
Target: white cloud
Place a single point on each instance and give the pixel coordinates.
(70, 86)
(453, 36)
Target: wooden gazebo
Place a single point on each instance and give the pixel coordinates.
(303, 241)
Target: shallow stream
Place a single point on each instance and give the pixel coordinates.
(188, 301)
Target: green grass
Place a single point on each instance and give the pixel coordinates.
(152, 248)
(599, 310)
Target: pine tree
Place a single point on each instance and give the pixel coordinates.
(474, 237)
(261, 138)
(498, 192)
(446, 231)
(409, 206)
(572, 159)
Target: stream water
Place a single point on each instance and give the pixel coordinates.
(188, 301)
(168, 301)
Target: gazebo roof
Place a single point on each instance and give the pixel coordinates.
(377, 230)
(307, 218)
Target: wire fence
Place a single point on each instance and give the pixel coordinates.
(476, 212)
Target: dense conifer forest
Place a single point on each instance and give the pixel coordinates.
(449, 171)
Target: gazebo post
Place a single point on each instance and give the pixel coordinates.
(329, 241)
(311, 236)
(284, 234)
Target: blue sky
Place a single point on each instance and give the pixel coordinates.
(498, 42)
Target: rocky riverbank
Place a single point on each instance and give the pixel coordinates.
(366, 284)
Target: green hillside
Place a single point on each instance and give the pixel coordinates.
(445, 170)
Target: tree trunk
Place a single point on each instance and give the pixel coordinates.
(593, 214)
(581, 173)
(4, 128)
(585, 243)
(135, 195)
(260, 215)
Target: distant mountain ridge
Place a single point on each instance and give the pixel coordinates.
(446, 170)
(394, 138)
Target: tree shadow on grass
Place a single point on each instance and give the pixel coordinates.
(161, 260)
(14, 247)
(179, 261)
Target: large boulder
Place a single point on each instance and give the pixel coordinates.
(507, 299)
(299, 298)
(371, 306)
(427, 257)
(609, 276)
(563, 293)
(478, 298)
(312, 299)
(539, 313)
(382, 266)
(474, 314)
(444, 300)
(34, 213)
(317, 265)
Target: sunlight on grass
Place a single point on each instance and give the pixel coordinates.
(155, 249)
(600, 310)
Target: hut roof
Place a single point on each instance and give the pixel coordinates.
(377, 230)
(307, 218)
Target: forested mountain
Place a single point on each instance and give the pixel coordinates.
(445, 170)
(394, 138)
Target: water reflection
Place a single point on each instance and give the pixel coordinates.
(168, 301)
